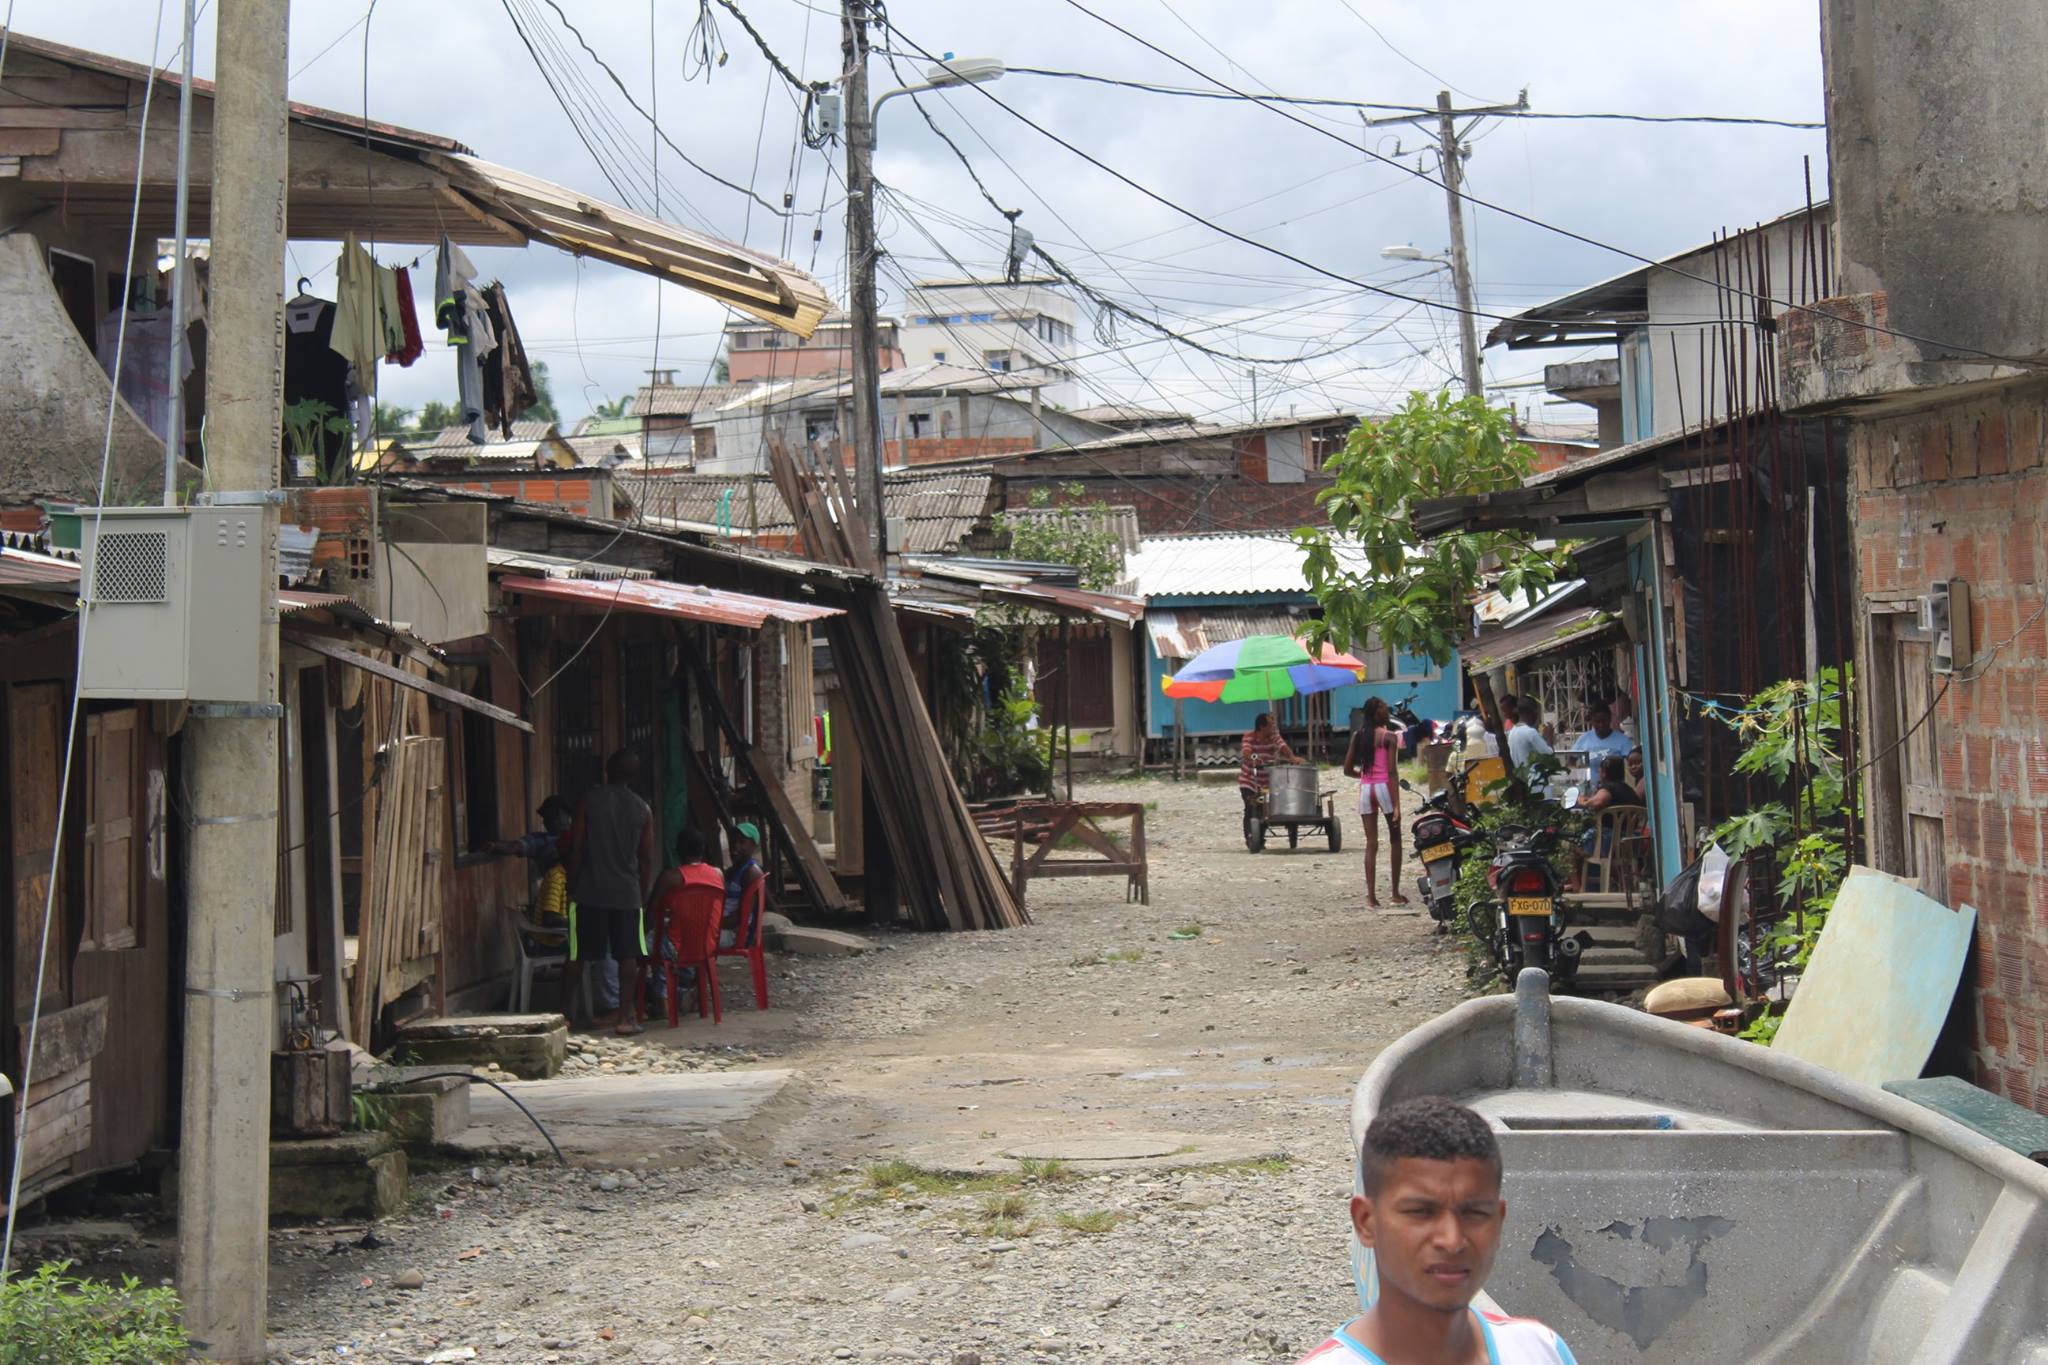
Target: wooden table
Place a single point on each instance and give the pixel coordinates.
(1047, 826)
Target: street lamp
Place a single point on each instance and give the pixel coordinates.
(1468, 342)
(948, 72)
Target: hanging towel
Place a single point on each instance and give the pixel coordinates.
(410, 346)
(358, 324)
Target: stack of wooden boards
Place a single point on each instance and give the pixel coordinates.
(402, 875)
(948, 875)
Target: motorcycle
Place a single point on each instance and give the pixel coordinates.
(1528, 928)
(1440, 834)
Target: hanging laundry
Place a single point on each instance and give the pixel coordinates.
(409, 347)
(145, 363)
(459, 311)
(315, 372)
(358, 324)
(508, 380)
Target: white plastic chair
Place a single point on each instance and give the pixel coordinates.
(530, 963)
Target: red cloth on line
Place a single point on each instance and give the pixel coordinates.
(409, 320)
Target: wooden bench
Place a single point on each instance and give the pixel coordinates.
(1038, 829)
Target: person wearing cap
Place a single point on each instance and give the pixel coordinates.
(744, 872)
(545, 851)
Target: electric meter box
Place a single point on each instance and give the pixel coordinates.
(178, 605)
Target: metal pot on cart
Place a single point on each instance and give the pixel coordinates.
(1294, 800)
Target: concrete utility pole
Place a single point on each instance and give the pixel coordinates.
(860, 254)
(1454, 178)
(1461, 264)
(231, 751)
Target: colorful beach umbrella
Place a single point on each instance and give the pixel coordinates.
(1262, 668)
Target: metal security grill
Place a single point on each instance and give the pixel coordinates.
(129, 566)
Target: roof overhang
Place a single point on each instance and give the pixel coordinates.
(658, 597)
(1546, 634)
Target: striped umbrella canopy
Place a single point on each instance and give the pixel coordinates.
(1262, 668)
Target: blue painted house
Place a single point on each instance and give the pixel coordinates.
(1202, 590)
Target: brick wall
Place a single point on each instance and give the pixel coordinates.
(1958, 492)
(1171, 504)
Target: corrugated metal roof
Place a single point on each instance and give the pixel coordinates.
(939, 511)
(559, 566)
(1540, 636)
(526, 432)
(662, 598)
(683, 400)
(1184, 632)
(1119, 522)
(27, 569)
(1186, 433)
(1223, 565)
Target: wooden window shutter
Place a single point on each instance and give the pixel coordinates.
(110, 830)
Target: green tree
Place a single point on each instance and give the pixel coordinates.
(436, 415)
(543, 409)
(1072, 532)
(613, 408)
(1375, 575)
(392, 417)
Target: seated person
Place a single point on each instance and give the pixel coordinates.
(1613, 788)
(1431, 1215)
(690, 870)
(744, 872)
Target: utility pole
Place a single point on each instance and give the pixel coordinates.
(860, 253)
(1461, 264)
(231, 750)
(1454, 178)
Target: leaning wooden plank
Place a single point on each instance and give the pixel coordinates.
(398, 675)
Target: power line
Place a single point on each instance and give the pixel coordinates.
(1516, 214)
(1313, 101)
(1389, 42)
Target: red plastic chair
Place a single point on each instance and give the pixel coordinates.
(747, 942)
(692, 915)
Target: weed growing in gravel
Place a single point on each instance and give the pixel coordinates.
(1048, 1171)
(997, 1206)
(1105, 959)
(1263, 1165)
(1093, 1221)
(886, 1175)
(1187, 931)
(1008, 1229)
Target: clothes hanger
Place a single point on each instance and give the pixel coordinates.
(305, 294)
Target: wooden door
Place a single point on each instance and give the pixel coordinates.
(35, 727)
(1916, 718)
(109, 798)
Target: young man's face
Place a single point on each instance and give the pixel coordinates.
(1433, 1227)
(1603, 723)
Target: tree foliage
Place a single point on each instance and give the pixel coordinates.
(434, 416)
(1379, 578)
(1071, 532)
(543, 409)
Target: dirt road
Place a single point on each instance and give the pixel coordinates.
(1210, 1038)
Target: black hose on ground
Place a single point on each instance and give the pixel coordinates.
(472, 1076)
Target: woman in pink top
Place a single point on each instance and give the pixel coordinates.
(1371, 760)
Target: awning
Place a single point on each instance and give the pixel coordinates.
(661, 598)
(559, 566)
(1068, 601)
(1184, 632)
(750, 281)
(1483, 653)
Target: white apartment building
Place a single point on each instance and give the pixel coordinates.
(995, 326)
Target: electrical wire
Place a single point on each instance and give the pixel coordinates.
(86, 591)
(1319, 102)
(1518, 215)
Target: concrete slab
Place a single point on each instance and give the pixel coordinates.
(355, 1175)
(528, 1045)
(638, 1121)
(808, 942)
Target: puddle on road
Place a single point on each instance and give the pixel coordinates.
(1156, 1074)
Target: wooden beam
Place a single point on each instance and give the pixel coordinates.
(405, 679)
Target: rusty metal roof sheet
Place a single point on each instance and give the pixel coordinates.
(1184, 632)
(662, 598)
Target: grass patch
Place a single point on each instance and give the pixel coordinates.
(1093, 1222)
(1187, 931)
(887, 1175)
(1106, 959)
(1047, 1171)
(998, 1206)
(1008, 1229)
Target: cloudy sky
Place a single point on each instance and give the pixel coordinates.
(460, 68)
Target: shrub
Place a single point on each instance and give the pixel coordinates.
(55, 1318)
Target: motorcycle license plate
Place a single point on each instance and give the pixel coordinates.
(1436, 851)
(1529, 905)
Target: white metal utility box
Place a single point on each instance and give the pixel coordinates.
(178, 602)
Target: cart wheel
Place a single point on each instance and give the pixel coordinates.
(1294, 836)
(1254, 833)
(1335, 829)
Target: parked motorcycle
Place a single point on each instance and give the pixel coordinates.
(1440, 834)
(1528, 928)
